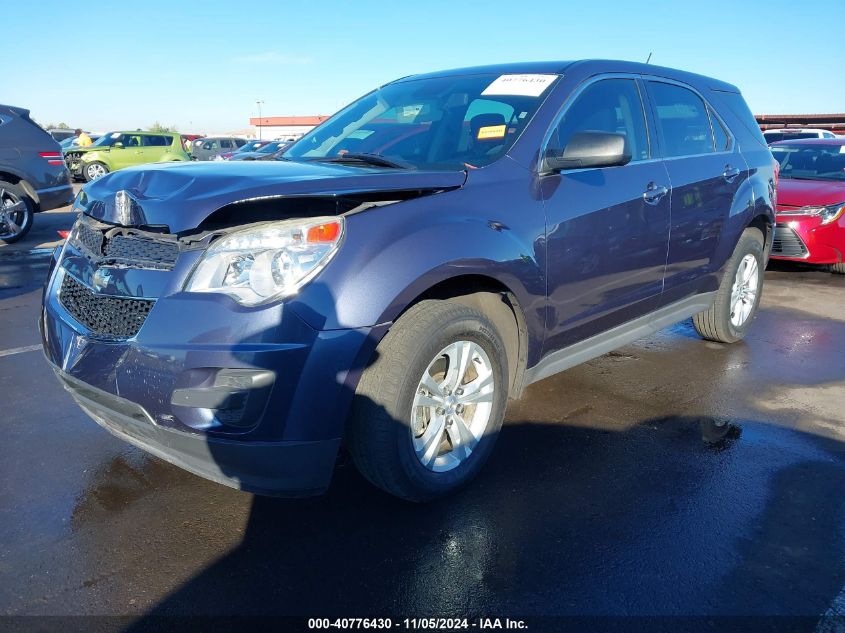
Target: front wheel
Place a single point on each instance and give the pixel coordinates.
(16, 212)
(429, 408)
(730, 316)
(94, 170)
(838, 269)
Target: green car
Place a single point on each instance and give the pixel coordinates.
(117, 150)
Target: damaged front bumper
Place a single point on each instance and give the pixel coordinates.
(253, 398)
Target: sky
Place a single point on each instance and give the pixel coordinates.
(201, 66)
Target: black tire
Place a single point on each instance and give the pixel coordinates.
(11, 194)
(715, 323)
(380, 438)
(85, 168)
(838, 269)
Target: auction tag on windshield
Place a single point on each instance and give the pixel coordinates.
(491, 131)
(520, 85)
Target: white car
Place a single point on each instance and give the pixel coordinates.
(795, 133)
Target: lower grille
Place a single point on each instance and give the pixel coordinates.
(112, 317)
(787, 243)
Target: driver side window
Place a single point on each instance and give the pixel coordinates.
(609, 105)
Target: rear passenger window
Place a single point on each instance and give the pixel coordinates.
(609, 105)
(682, 122)
(156, 141)
(226, 143)
(240, 142)
(721, 141)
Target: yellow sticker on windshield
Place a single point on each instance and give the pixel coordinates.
(491, 131)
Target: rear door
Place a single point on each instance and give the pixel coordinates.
(607, 228)
(154, 147)
(705, 171)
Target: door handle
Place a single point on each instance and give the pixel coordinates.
(730, 173)
(654, 193)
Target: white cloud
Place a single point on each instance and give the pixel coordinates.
(272, 57)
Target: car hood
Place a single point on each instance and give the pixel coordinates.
(181, 195)
(89, 148)
(801, 193)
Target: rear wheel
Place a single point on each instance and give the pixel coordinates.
(730, 316)
(839, 269)
(94, 170)
(428, 409)
(16, 212)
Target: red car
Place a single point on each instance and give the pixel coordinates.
(811, 202)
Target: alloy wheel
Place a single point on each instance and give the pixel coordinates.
(95, 170)
(744, 291)
(13, 215)
(452, 406)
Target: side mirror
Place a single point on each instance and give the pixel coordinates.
(588, 149)
(117, 145)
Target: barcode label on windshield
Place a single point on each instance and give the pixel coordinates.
(519, 85)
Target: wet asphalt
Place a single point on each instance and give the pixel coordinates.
(673, 477)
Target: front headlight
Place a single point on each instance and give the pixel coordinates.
(832, 213)
(828, 214)
(269, 261)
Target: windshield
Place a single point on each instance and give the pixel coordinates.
(437, 123)
(250, 146)
(810, 162)
(269, 148)
(107, 139)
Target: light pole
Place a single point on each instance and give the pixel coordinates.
(259, 103)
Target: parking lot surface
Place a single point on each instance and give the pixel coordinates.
(672, 477)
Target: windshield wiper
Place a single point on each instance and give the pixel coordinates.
(369, 159)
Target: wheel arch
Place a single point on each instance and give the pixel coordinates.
(498, 303)
(17, 179)
(763, 222)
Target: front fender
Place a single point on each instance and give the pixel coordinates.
(392, 254)
(90, 157)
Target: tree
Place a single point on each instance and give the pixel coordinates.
(158, 127)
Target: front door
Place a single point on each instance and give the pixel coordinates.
(607, 228)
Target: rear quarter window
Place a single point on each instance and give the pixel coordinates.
(154, 140)
(740, 110)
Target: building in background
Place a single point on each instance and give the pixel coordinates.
(284, 127)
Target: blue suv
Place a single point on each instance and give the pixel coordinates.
(408, 266)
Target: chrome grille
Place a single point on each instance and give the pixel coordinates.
(787, 243)
(110, 317)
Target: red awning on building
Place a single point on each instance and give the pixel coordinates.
(832, 122)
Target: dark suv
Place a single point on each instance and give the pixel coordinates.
(407, 267)
(33, 176)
